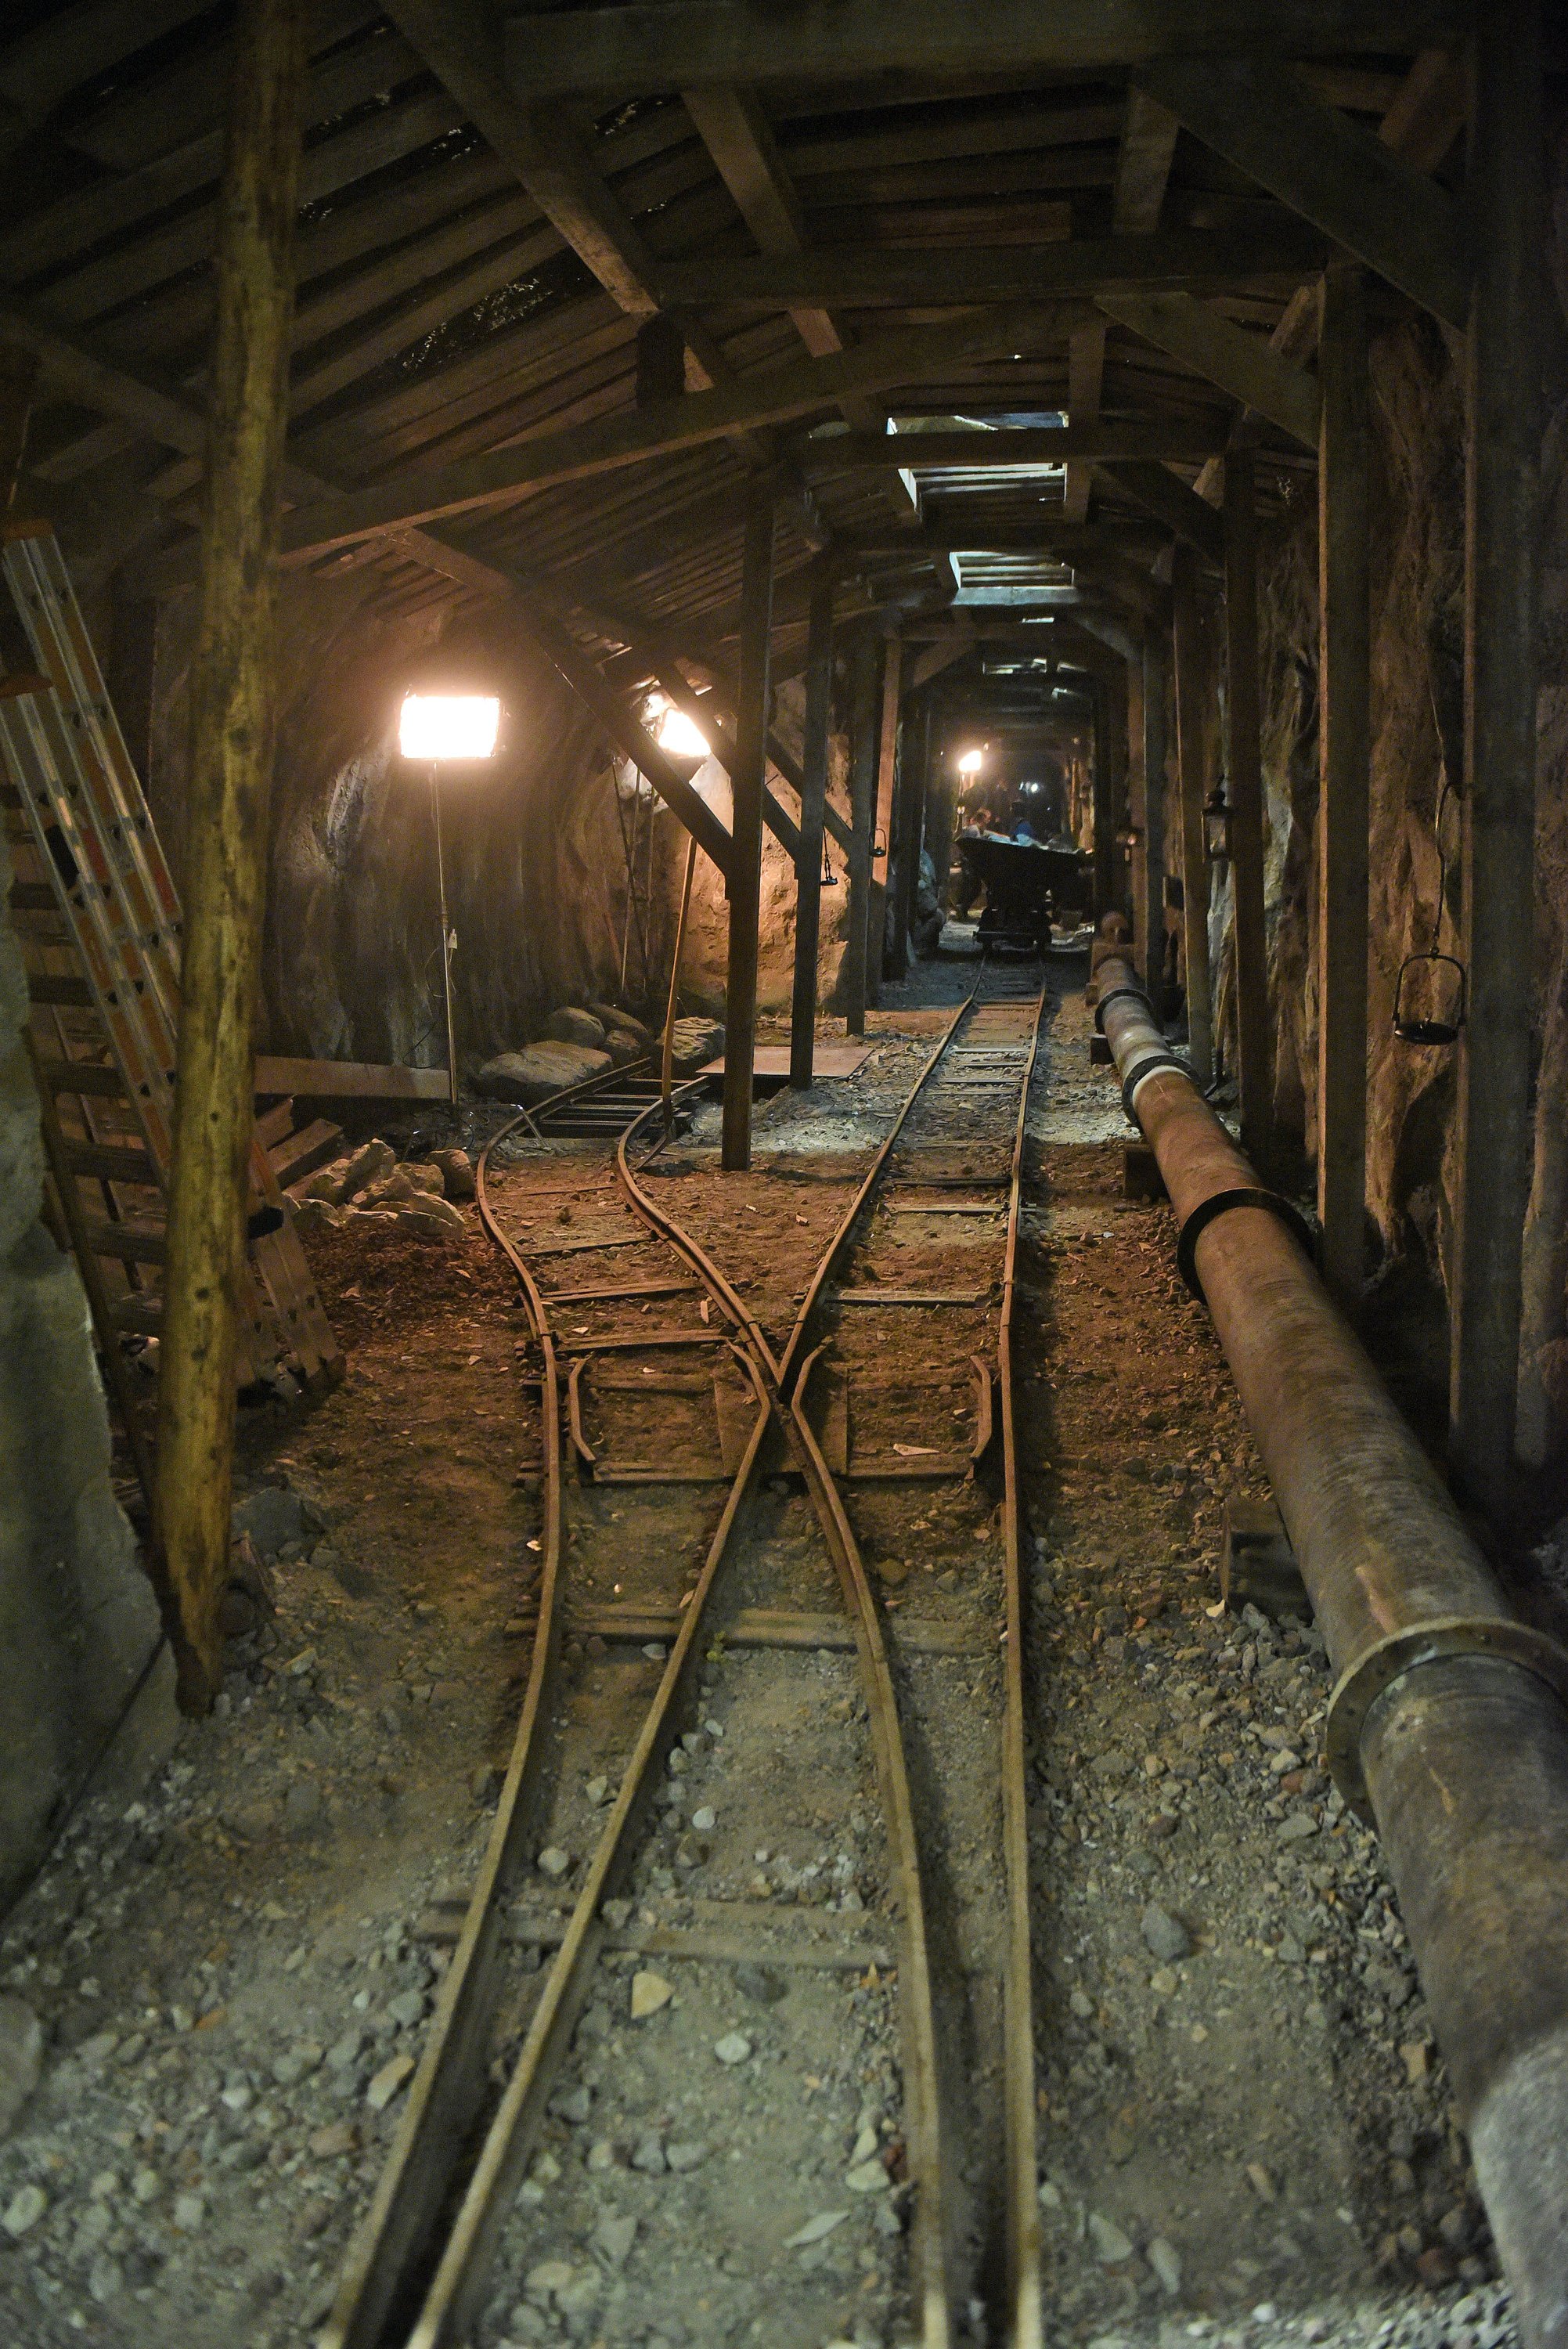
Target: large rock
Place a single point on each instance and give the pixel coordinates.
(274, 1515)
(696, 1042)
(457, 1173)
(531, 1076)
(613, 1017)
(624, 1046)
(21, 2059)
(575, 1027)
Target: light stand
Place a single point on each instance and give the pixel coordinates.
(437, 728)
(448, 941)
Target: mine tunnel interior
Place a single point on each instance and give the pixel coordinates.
(783, 1201)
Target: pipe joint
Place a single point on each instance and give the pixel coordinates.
(1149, 1064)
(1378, 1668)
(1243, 1195)
(1133, 993)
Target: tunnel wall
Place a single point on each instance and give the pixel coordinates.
(1417, 541)
(79, 1628)
(535, 853)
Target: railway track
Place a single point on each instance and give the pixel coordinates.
(703, 1586)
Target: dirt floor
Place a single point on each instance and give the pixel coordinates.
(1244, 2135)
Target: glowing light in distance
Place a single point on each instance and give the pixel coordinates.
(971, 761)
(448, 724)
(680, 735)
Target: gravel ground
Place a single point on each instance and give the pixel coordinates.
(213, 1996)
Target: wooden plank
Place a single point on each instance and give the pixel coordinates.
(1025, 446)
(1193, 688)
(771, 395)
(1345, 749)
(773, 1061)
(1503, 424)
(348, 1080)
(753, 704)
(908, 276)
(1167, 497)
(1150, 915)
(1243, 765)
(1085, 376)
(685, 43)
(1264, 118)
(853, 978)
(1142, 165)
(1241, 363)
(881, 828)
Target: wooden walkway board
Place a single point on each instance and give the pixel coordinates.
(772, 1061)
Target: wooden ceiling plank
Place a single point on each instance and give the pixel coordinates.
(75, 46)
(1241, 363)
(1085, 380)
(1084, 266)
(1142, 165)
(773, 396)
(1264, 118)
(684, 44)
(1025, 446)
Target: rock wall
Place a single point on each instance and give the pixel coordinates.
(78, 1627)
(536, 846)
(1417, 700)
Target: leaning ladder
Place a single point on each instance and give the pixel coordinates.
(103, 981)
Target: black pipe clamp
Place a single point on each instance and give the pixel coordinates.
(1243, 1195)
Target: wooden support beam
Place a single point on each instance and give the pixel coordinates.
(540, 143)
(735, 132)
(1345, 749)
(864, 710)
(1167, 497)
(881, 830)
(1027, 446)
(643, 45)
(1501, 594)
(753, 696)
(909, 827)
(1243, 765)
(1150, 914)
(625, 731)
(1142, 165)
(940, 655)
(18, 375)
(1265, 117)
(809, 866)
(1104, 849)
(1193, 690)
(1241, 363)
(770, 395)
(232, 729)
(1085, 376)
(907, 276)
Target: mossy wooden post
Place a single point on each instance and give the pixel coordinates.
(232, 726)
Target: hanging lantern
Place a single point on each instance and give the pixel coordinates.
(1429, 1005)
(830, 878)
(1217, 826)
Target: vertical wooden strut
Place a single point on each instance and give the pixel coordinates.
(881, 830)
(1151, 911)
(747, 780)
(1343, 688)
(1191, 689)
(1501, 516)
(231, 727)
(1137, 819)
(909, 833)
(1244, 765)
(862, 814)
(1104, 850)
(813, 801)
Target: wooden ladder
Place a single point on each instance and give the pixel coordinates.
(99, 919)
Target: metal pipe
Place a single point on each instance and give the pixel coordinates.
(1446, 1724)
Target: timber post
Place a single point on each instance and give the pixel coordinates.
(1244, 765)
(1344, 685)
(909, 833)
(753, 699)
(882, 825)
(1501, 516)
(813, 802)
(863, 743)
(234, 703)
(1192, 688)
(1151, 911)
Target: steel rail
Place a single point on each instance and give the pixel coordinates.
(394, 2240)
(925, 2136)
(397, 2240)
